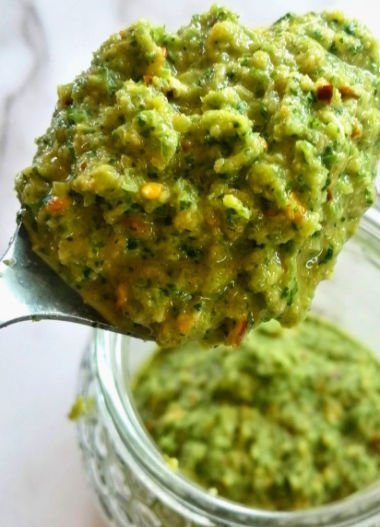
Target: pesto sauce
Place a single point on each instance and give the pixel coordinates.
(194, 184)
(289, 420)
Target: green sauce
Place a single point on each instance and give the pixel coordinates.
(289, 420)
(193, 184)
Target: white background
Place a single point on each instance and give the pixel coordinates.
(44, 43)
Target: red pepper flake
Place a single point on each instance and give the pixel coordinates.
(356, 131)
(57, 205)
(325, 93)
(237, 333)
(138, 226)
(271, 213)
(348, 93)
(375, 443)
(186, 145)
(121, 296)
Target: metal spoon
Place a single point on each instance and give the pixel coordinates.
(30, 290)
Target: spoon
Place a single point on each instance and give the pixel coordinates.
(30, 290)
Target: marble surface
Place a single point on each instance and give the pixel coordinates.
(42, 44)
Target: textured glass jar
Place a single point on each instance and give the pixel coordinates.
(134, 485)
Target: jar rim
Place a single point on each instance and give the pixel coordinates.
(109, 348)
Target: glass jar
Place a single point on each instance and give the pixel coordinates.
(134, 485)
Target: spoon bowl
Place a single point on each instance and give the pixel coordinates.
(31, 290)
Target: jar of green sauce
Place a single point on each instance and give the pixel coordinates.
(135, 485)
